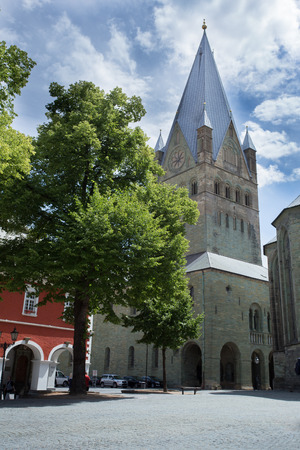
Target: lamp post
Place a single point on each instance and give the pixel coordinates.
(5, 345)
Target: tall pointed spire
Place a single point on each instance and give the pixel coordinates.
(204, 86)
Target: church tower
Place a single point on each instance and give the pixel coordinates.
(203, 152)
(226, 279)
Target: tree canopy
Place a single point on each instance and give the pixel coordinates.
(15, 147)
(91, 218)
(15, 68)
(166, 319)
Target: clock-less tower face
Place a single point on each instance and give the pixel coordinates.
(176, 159)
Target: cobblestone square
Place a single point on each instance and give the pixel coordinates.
(109, 419)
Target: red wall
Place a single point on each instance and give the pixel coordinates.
(47, 337)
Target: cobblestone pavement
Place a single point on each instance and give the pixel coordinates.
(112, 420)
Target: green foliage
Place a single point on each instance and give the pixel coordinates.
(15, 147)
(166, 319)
(95, 222)
(16, 150)
(15, 68)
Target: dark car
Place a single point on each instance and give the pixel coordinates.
(152, 382)
(133, 382)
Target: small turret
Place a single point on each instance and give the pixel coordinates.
(204, 138)
(250, 155)
(159, 148)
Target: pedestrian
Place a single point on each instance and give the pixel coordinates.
(9, 389)
(87, 381)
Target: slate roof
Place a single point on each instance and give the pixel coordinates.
(209, 260)
(294, 203)
(203, 102)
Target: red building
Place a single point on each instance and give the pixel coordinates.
(32, 360)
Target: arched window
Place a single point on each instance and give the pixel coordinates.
(131, 357)
(249, 229)
(107, 358)
(227, 191)
(227, 221)
(242, 226)
(194, 187)
(247, 199)
(192, 294)
(234, 223)
(255, 315)
(250, 319)
(217, 187)
(155, 357)
(238, 196)
(269, 322)
(219, 218)
(256, 321)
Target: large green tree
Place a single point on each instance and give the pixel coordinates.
(15, 147)
(85, 214)
(166, 319)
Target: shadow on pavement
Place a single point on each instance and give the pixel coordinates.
(58, 400)
(270, 395)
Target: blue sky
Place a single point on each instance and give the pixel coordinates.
(147, 47)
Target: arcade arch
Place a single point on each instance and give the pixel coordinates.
(22, 364)
(230, 366)
(191, 372)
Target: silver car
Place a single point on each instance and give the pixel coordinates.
(112, 380)
(61, 379)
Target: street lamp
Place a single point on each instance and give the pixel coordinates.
(14, 336)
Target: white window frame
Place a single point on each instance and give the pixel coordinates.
(30, 302)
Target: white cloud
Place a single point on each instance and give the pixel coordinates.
(295, 176)
(272, 174)
(145, 39)
(76, 58)
(257, 53)
(269, 175)
(119, 47)
(31, 4)
(9, 35)
(284, 108)
(271, 144)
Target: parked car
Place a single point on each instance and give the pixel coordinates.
(133, 382)
(113, 380)
(152, 382)
(94, 381)
(61, 379)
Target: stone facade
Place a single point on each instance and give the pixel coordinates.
(284, 273)
(226, 279)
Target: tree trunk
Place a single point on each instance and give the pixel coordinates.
(81, 308)
(164, 370)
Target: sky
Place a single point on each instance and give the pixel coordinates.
(147, 48)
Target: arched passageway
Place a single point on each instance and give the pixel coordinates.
(19, 367)
(191, 365)
(230, 366)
